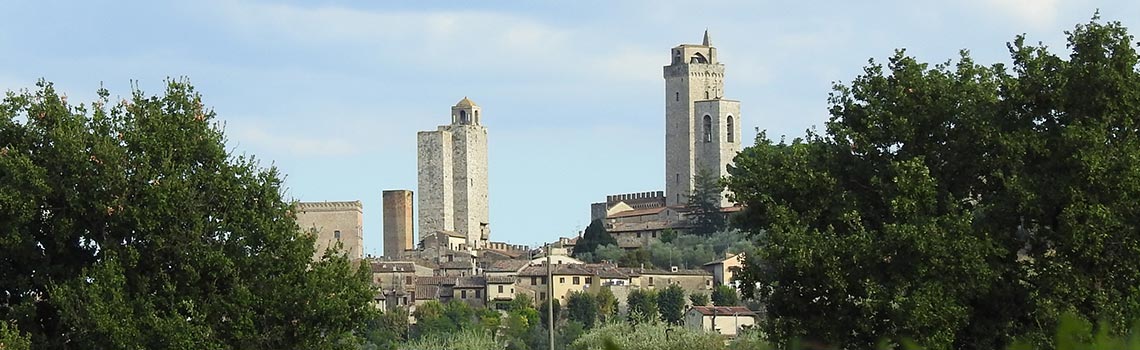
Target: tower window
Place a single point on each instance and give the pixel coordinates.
(463, 117)
(336, 234)
(706, 95)
(676, 96)
(730, 128)
(708, 128)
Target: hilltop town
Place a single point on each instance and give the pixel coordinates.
(455, 257)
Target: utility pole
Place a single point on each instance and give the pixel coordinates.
(549, 297)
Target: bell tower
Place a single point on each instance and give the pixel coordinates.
(702, 130)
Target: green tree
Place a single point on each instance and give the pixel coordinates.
(724, 295)
(12, 339)
(129, 224)
(958, 205)
(699, 299)
(607, 304)
(642, 306)
(582, 307)
(636, 258)
(594, 237)
(544, 312)
(609, 252)
(704, 203)
(671, 304)
(387, 330)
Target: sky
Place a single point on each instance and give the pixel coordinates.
(332, 93)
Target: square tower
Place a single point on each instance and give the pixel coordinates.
(694, 89)
(334, 222)
(453, 177)
(397, 223)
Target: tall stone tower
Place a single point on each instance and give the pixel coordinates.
(702, 129)
(397, 223)
(453, 176)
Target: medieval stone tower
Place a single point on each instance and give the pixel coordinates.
(453, 177)
(702, 129)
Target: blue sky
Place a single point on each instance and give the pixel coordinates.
(332, 93)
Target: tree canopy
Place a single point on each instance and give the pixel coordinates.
(128, 224)
(959, 205)
(594, 237)
(704, 204)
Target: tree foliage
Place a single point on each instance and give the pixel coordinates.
(607, 304)
(724, 295)
(959, 205)
(704, 204)
(641, 306)
(699, 299)
(671, 304)
(128, 224)
(594, 237)
(582, 307)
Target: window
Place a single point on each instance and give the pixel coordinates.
(639, 235)
(730, 135)
(463, 295)
(336, 234)
(576, 280)
(561, 279)
(677, 178)
(500, 289)
(544, 281)
(589, 280)
(706, 94)
(542, 296)
(654, 234)
(407, 279)
(534, 281)
(478, 293)
(463, 116)
(676, 96)
(651, 281)
(708, 128)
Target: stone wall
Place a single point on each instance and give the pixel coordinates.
(434, 159)
(398, 235)
(333, 222)
(686, 83)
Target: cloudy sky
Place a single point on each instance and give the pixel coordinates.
(332, 93)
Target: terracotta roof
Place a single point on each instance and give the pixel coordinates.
(723, 310)
(721, 261)
(426, 292)
(471, 282)
(507, 265)
(732, 209)
(465, 102)
(509, 254)
(436, 281)
(682, 272)
(500, 280)
(564, 269)
(392, 266)
(455, 265)
(636, 212)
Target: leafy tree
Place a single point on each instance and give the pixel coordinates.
(12, 339)
(699, 299)
(520, 302)
(431, 319)
(607, 304)
(704, 204)
(958, 205)
(544, 312)
(489, 319)
(609, 252)
(668, 235)
(642, 306)
(582, 307)
(724, 295)
(386, 330)
(594, 237)
(130, 225)
(635, 258)
(671, 304)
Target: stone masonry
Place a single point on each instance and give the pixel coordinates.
(398, 236)
(453, 176)
(333, 222)
(694, 87)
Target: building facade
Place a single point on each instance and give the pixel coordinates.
(702, 129)
(398, 236)
(332, 223)
(453, 176)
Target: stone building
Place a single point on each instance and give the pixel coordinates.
(726, 320)
(702, 129)
(453, 176)
(398, 236)
(334, 222)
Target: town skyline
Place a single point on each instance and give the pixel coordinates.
(333, 94)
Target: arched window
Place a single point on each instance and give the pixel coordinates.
(476, 117)
(463, 117)
(730, 136)
(708, 128)
(706, 94)
(676, 96)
